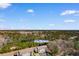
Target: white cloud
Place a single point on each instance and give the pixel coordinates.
(69, 21)
(69, 12)
(30, 11)
(4, 5)
(51, 24)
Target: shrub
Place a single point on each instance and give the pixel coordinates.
(76, 45)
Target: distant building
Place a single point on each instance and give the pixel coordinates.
(41, 41)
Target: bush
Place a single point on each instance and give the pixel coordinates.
(55, 50)
(58, 47)
(18, 45)
(76, 45)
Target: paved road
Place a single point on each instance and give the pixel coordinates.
(26, 51)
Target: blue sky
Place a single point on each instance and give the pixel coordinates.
(39, 16)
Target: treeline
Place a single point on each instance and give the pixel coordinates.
(14, 36)
(48, 35)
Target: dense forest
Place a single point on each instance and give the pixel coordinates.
(59, 40)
